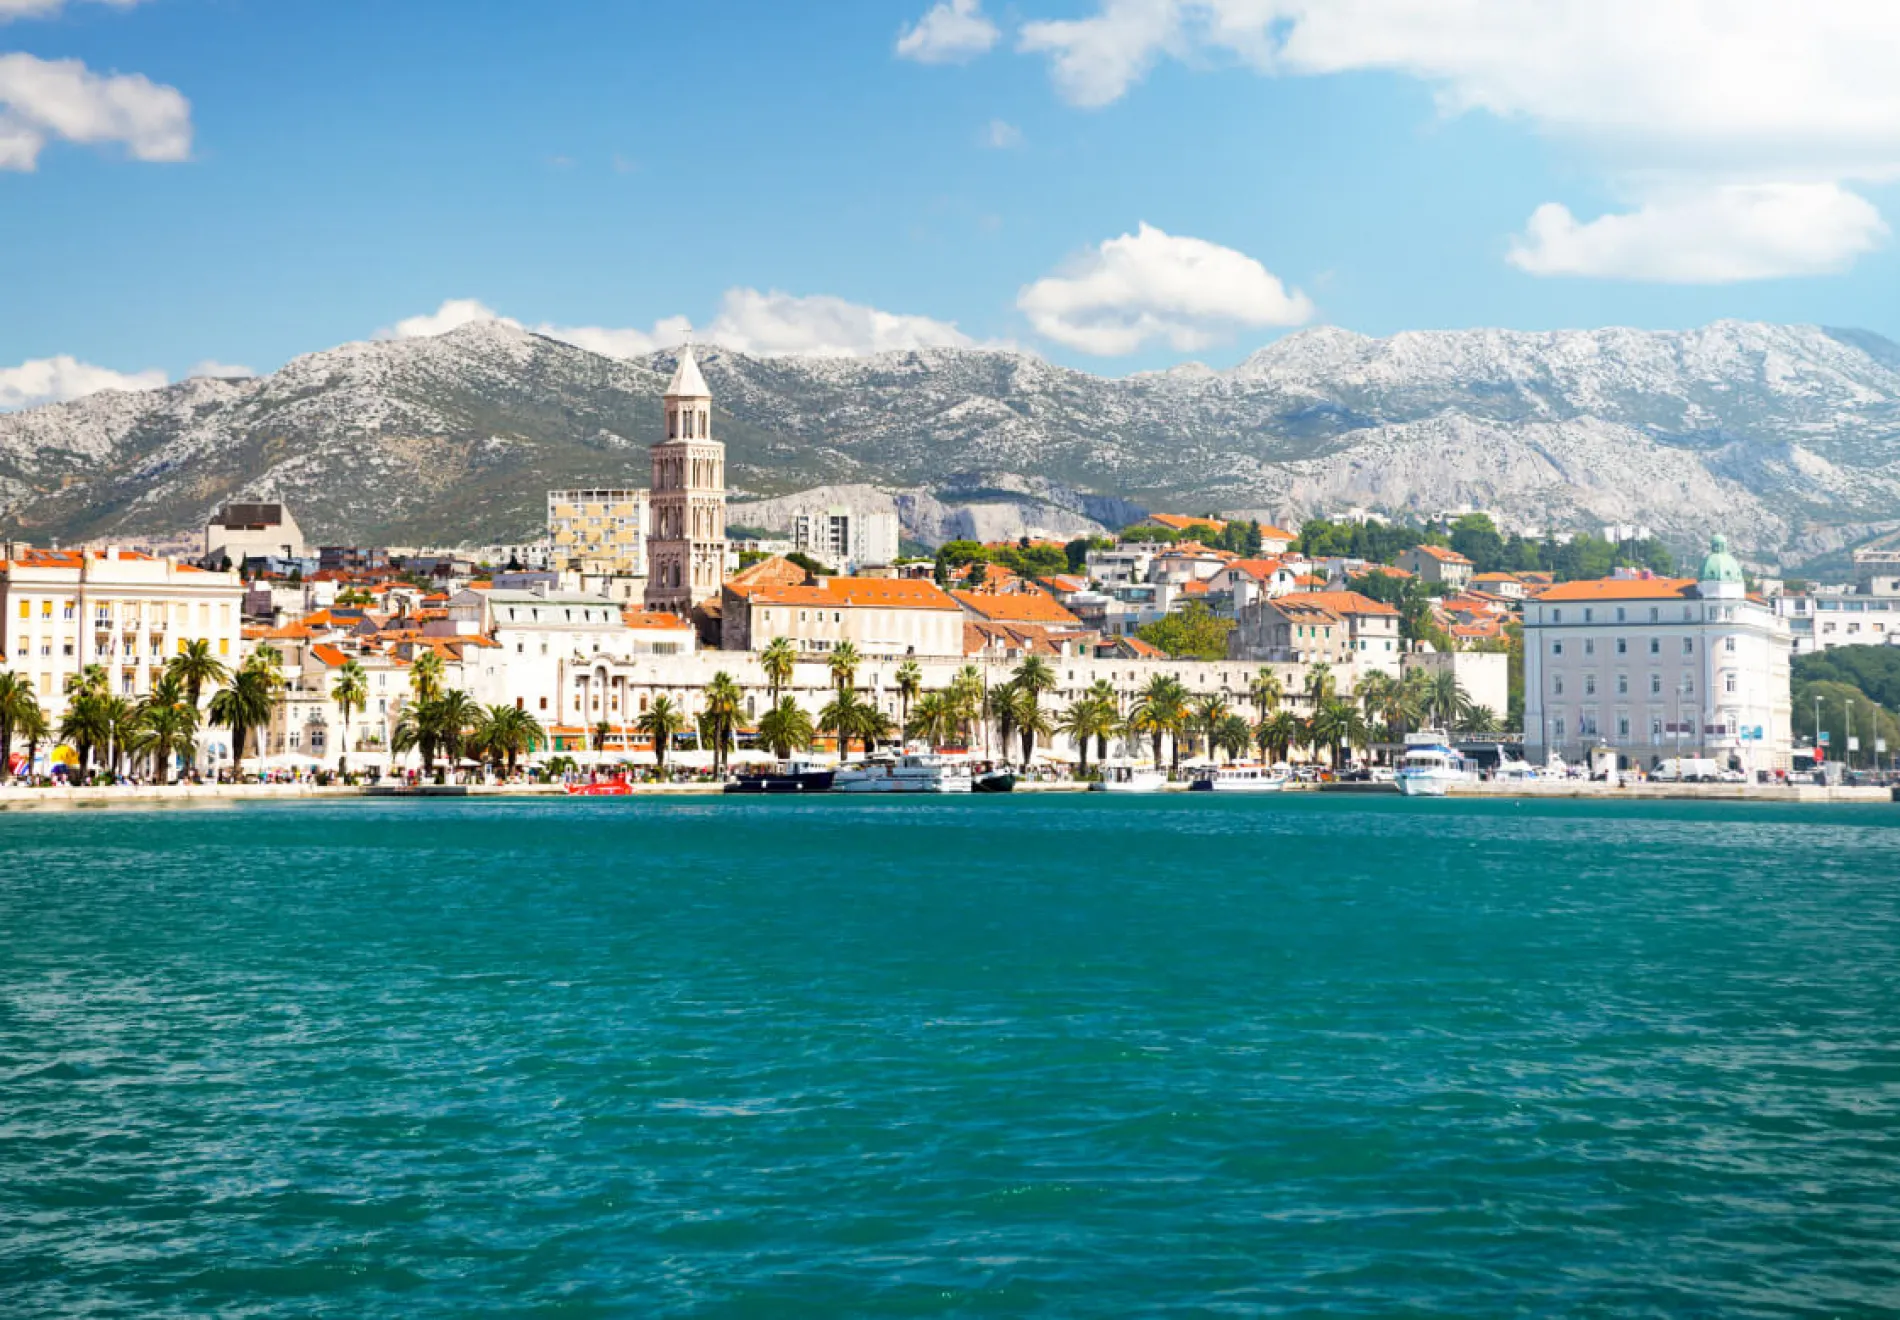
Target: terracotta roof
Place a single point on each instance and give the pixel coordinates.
(1257, 569)
(1496, 577)
(1301, 608)
(1194, 588)
(1181, 522)
(1278, 534)
(1658, 588)
(1442, 555)
(1028, 639)
(874, 593)
(1308, 580)
(638, 618)
(329, 655)
(1016, 607)
(1344, 602)
(777, 571)
(34, 557)
(1384, 570)
(1136, 647)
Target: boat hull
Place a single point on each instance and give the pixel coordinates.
(993, 783)
(811, 781)
(1424, 785)
(870, 784)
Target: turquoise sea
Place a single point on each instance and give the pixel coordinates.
(1032, 1055)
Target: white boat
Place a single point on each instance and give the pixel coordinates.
(1430, 766)
(913, 772)
(1512, 770)
(1239, 779)
(1125, 778)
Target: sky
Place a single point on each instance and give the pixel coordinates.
(216, 186)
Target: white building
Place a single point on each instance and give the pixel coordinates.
(240, 531)
(847, 539)
(1658, 667)
(61, 610)
(541, 634)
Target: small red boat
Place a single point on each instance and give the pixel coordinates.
(608, 788)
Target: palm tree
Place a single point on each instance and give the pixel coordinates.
(785, 728)
(1380, 699)
(92, 679)
(843, 716)
(1266, 691)
(1233, 736)
(1162, 708)
(1001, 704)
(1321, 686)
(719, 721)
(843, 663)
(966, 693)
(1480, 719)
(778, 660)
(505, 734)
(910, 681)
(425, 676)
(415, 730)
(169, 721)
(1030, 720)
(351, 693)
(599, 735)
(1415, 697)
(32, 725)
(196, 668)
(457, 713)
(16, 699)
(1088, 717)
(1446, 699)
(1035, 676)
(660, 722)
(87, 724)
(244, 704)
(1276, 735)
(934, 719)
(1207, 715)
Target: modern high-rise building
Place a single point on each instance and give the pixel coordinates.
(847, 539)
(599, 531)
(686, 550)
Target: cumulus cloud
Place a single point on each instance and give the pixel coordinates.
(1717, 236)
(45, 100)
(453, 314)
(1150, 286)
(1002, 135)
(12, 9)
(953, 31)
(215, 370)
(58, 379)
(1667, 95)
(765, 324)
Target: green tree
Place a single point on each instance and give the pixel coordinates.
(719, 721)
(785, 728)
(425, 676)
(16, 699)
(1266, 691)
(910, 682)
(849, 716)
(934, 718)
(1030, 720)
(1088, 717)
(1161, 711)
(843, 663)
(778, 659)
(966, 694)
(660, 721)
(350, 692)
(197, 669)
(1233, 736)
(169, 721)
(1276, 734)
(245, 702)
(1191, 633)
(1206, 717)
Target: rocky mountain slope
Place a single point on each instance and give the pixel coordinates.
(1786, 436)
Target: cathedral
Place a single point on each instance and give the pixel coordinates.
(686, 550)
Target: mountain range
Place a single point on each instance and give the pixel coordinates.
(1786, 437)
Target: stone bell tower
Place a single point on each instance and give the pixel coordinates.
(686, 550)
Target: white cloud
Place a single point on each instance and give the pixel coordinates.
(12, 9)
(215, 370)
(1716, 236)
(764, 324)
(1149, 286)
(953, 31)
(1669, 96)
(1002, 135)
(451, 315)
(58, 379)
(43, 100)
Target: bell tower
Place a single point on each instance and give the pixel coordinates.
(686, 551)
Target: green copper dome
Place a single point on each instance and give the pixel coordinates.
(1720, 566)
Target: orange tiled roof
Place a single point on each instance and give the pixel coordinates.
(1194, 588)
(1308, 580)
(1442, 555)
(1385, 570)
(34, 557)
(1658, 588)
(1257, 569)
(875, 593)
(1179, 522)
(1278, 534)
(1344, 602)
(777, 571)
(1017, 607)
(634, 617)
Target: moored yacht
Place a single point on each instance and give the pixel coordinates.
(912, 772)
(1239, 779)
(1126, 777)
(1431, 766)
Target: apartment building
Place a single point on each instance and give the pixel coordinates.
(878, 616)
(847, 539)
(61, 610)
(599, 530)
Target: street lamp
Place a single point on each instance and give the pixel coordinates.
(1848, 752)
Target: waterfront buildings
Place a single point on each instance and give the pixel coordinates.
(252, 530)
(878, 616)
(1306, 627)
(1867, 615)
(1654, 667)
(62, 610)
(687, 547)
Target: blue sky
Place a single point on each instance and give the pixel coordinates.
(856, 175)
